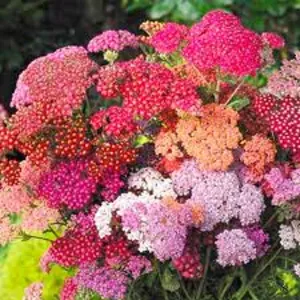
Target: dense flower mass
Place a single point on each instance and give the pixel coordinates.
(152, 173)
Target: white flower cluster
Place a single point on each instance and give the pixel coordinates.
(290, 235)
(152, 181)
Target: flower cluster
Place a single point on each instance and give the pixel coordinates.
(286, 81)
(282, 115)
(170, 165)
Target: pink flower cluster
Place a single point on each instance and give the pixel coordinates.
(282, 188)
(286, 80)
(51, 86)
(115, 40)
(168, 39)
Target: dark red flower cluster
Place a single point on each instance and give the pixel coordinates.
(71, 140)
(37, 150)
(188, 264)
(10, 170)
(283, 116)
(8, 139)
(115, 156)
(118, 247)
(77, 247)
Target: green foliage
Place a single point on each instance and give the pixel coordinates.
(262, 15)
(170, 281)
(238, 103)
(19, 267)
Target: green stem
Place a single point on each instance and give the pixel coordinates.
(245, 289)
(253, 296)
(38, 238)
(207, 261)
(227, 286)
(160, 279)
(183, 287)
(53, 231)
(235, 91)
(270, 220)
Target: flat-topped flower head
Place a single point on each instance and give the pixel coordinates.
(115, 40)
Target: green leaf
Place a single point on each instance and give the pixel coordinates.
(238, 103)
(170, 281)
(187, 11)
(162, 8)
(141, 140)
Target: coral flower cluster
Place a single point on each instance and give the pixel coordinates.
(154, 173)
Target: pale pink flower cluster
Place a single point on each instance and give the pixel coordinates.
(34, 291)
(286, 81)
(14, 199)
(8, 231)
(38, 218)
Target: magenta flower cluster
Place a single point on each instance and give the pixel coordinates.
(107, 282)
(67, 185)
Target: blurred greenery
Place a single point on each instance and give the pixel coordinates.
(281, 16)
(31, 28)
(15, 262)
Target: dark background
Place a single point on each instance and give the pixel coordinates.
(31, 28)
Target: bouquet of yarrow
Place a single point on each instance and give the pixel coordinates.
(159, 166)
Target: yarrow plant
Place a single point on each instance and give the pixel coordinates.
(170, 175)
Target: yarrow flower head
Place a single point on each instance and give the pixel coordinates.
(221, 194)
(220, 40)
(108, 283)
(168, 39)
(259, 153)
(211, 138)
(273, 40)
(234, 248)
(50, 87)
(34, 291)
(282, 188)
(67, 185)
(286, 80)
(115, 40)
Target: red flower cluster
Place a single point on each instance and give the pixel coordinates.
(146, 88)
(188, 264)
(8, 139)
(10, 170)
(76, 247)
(283, 117)
(115, 156)
(71, 141)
